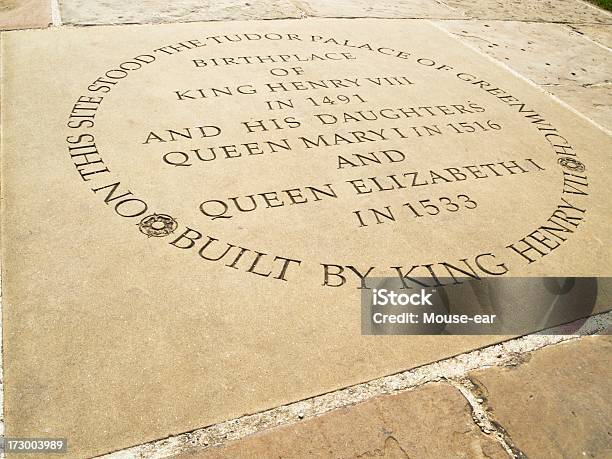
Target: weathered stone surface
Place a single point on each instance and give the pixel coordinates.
(595, 101)
(159, 11)
(430, 422)
(540, 10)
(130, 332)
(379, 9)
(156, 11)
(24, 14)
(558, 403)
(600, 33)
(553, 56)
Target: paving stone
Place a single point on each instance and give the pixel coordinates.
(535, 10)
(24, 14)
(379, 9)
(156, 11)
(595, 101)
(159, 11)
(600, 33)
(118, 331)
(430, 422)
(558, 403)
(562, 61)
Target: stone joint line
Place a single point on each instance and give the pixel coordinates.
(452, 370)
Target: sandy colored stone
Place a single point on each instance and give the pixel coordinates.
(379, 9)
(24, 14)
(114, 336)
(159, 11)
(600, 33)
(536, 10)
(154, 11)
(557, 404)
(553, 56)
(595, 101)
(430, 422)
(544, 53)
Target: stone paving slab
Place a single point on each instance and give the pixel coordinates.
(594, 101)
(557, 404)
(160, 11)
(379, 9)
(602, 34)
(157, 11)
(24, 14)
(553, 56)
(89, 318)
(430, 422)
(536, 10)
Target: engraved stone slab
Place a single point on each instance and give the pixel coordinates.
(188, 211)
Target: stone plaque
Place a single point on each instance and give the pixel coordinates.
(189, 211)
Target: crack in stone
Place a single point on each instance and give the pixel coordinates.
(476, 37)
(303, 9)
(475, 394)
(391, 448)
(446, 5)
(598, 84)
(576, 83)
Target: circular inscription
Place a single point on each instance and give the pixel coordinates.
(283, 150)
